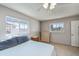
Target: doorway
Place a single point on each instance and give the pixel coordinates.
(75, 33)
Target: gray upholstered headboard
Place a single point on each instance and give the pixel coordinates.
(13, 42)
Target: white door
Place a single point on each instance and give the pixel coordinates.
(75, 33)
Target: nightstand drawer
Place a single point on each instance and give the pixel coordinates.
(35, 38)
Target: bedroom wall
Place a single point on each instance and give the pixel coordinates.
(60, 37)
(4, 11)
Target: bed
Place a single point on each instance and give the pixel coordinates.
(30, 48)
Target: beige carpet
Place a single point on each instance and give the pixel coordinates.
(63, 50)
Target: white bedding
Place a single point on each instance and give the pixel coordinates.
(30, 48)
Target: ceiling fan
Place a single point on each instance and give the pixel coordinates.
(49, 6)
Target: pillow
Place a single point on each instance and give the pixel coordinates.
(22, 39)
(8, 43)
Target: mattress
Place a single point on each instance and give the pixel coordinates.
(30, 48)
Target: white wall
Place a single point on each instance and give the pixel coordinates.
(60, 37)
(35, 28)
(4, 11)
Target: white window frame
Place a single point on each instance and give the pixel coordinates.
(19, 21)
(58, 23)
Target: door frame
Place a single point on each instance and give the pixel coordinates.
(73, 23)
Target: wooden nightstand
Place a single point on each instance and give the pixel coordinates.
(35, 38)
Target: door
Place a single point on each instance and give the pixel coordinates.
(75, 33)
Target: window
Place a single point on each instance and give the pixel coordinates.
(56, 27)
(14, 27)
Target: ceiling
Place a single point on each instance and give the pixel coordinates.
(37, 11)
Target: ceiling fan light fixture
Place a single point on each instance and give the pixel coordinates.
(45, 5)
(49, 6)
(52, 6)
